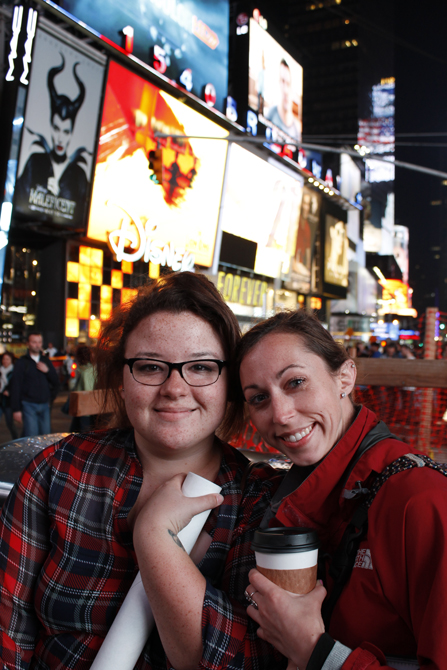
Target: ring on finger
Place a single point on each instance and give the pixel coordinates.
(249, 597)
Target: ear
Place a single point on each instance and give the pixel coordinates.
(347, 376)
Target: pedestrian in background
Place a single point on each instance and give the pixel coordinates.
(6, 370)
(85, 381)
(34, 385)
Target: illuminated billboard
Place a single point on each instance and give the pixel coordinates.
(336, 264)
(298, 275)
(59, 135)
(173, 223)
(185, 40)
(275, 87)
(262, 203)
(396, 298)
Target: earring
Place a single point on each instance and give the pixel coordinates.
(343, 395)
(352, 365)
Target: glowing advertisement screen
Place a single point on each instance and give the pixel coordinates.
(141, 219)
(59, 135)
(299, 274)
(336, 264)
(275, 87)
(185, 40)
(262, 203)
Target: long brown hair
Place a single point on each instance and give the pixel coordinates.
(176, 292)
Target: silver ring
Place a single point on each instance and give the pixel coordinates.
(250, 598)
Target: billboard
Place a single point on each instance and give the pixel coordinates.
(59, 135)
(336, 264)
(298, 276)
(275, 87)
(262, 203)
(173, 223)
(185, 40)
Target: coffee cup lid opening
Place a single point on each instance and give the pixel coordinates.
(285, 540)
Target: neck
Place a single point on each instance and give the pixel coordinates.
(162, 466)
(58, 159)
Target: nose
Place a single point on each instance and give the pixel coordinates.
(282, 409)
(174, 386)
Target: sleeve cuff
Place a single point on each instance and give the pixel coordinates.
(328, 654)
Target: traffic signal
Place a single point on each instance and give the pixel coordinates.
(155, 159)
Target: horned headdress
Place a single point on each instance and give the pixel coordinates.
(61, 104)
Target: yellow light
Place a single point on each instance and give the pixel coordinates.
(127, 294)
(117, 279)
(92, 317)
(72, 271)
(381, 322)
(106, 293)
(96, 276)
(326, 190)
(93, 328)
(154, 271)
(379, 273)
(311, 180)
(85, 255)
(34, 262)
(96, 256)
(321, 186)
(33, 292)
(71, 327)
(127, 267)
(84, 274)
(84, 309)
(395, 322)
(331, 192)
(84, 292)
(72, 308)
(105, 311)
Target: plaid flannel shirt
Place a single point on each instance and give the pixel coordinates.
(67, 559)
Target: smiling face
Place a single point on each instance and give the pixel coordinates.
(174, 420)
(293, 399)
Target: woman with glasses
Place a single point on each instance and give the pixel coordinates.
(92, 510)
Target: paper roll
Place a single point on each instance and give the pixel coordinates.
(132, 625)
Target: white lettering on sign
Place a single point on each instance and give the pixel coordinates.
(30, 33)
(16, 26)
(151, 250)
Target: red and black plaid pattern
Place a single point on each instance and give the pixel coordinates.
(67, 558)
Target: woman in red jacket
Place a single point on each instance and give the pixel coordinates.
(298, 384)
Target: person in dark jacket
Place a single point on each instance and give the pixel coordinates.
(34, 384)
(6, 370)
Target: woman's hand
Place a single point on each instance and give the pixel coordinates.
(169, 510)
(291, 623)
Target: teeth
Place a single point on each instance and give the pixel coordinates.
(297, 436)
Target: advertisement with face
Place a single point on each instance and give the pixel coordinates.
(336, 270)
(275, 87)
(173, 222)
(262, 203)
(185, 40)
(55, 162)
(299, 273)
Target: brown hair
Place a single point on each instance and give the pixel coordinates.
(83, 354)
(176, 292)
(316, 339)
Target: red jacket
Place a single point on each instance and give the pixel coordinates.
(395, 602)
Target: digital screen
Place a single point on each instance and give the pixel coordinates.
(336, 262)
(59, 134)
(262, 203)
(185, 40)
(299, 273)
(275, 87)
(139, 218)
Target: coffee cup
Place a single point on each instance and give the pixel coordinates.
(288, 557)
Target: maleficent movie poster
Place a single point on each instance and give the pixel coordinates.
(55, 164)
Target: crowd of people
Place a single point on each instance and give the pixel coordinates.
(91, 511)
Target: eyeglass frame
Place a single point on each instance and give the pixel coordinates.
(176, 366)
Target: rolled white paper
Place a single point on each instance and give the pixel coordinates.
(132, 625)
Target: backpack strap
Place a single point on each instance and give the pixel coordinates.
(344, 557)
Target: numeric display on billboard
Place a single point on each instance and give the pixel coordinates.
(187, 41)
(171, 223)
(262, 203)
(275, 87)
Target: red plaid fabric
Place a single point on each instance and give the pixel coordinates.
(67, 558)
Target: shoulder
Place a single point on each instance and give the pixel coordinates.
(249, 474)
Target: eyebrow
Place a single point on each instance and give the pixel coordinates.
(277, 376)
(193, 356)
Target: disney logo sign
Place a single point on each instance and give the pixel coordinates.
(151, 250)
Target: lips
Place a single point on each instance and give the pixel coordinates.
(297, 436)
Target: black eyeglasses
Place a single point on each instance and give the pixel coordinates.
(152, 372)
